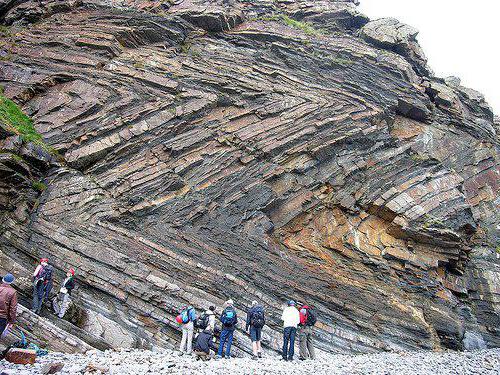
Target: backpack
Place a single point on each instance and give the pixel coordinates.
(303, 316)
(228, 317)
(46, 273)
(202, 321)
(311, 318)
(184, 315)
(257, 317)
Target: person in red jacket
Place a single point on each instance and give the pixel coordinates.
(306, 334)
(8, 303)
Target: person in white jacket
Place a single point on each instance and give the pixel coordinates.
(291, 319)
(211, 318)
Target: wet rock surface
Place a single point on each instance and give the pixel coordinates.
(255, 150)
(486, 362)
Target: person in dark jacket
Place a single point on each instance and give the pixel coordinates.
(229, 319)
(8, 303)
(61, 302)
(42, 284)
(204, 342)
(255, 322)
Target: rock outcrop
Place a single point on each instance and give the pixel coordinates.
(255, 150)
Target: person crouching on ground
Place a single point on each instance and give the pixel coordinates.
(228, 319)
(204, 342)
(255, 322)
(8, 304)
(291, 318)
(61, 303)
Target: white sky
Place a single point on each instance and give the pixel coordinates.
(460, 38)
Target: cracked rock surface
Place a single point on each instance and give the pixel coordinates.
(255, 150)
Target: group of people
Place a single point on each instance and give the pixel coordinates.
(295, 317)
(42, 286)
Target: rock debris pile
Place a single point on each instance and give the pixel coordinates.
(139, 362)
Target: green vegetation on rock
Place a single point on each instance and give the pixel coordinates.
(38, 185)
(432, 221)
(15, 120)
(12, 116)
(4, 31)
(283, 18)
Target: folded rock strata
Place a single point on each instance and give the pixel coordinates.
(255, 150)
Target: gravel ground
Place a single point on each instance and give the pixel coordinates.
(125, 362)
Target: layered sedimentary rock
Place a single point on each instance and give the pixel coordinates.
(255, 150)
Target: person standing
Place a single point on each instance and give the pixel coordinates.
(291, 318)
(42, 284)
(211, 318)
(61, 303)
(8, 303)
(306, 335)
(255, 321)
(187, 316)
(228, 319)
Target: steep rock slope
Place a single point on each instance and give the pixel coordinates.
(255, 150)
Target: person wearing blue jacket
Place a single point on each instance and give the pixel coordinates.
(187, 329)
(229, 319)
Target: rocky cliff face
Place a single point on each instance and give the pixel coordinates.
(255, 150)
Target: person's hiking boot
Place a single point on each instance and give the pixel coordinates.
(259, 354)
(254, 357)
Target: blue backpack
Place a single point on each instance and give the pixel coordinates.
(229, 318)
(185, 316)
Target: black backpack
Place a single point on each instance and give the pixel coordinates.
(257, 318)
(46, 273)
(311, 318)
(202, 321)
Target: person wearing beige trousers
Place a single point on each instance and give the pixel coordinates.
(306, 345)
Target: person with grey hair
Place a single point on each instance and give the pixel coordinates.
(254, 324)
